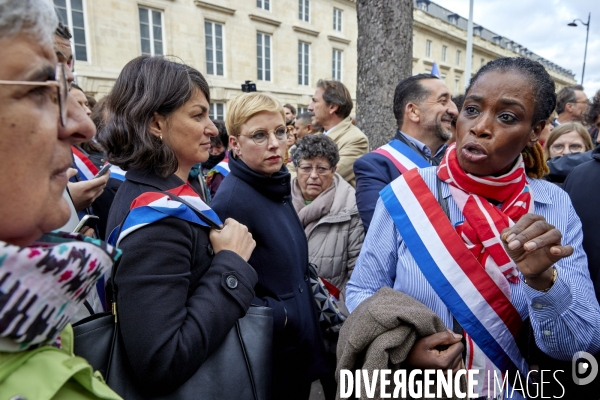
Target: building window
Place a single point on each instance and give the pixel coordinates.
(444, 51)
(337, 19)
(456, 85)
(217, 111)
(423, 5)
(457, 57)
(213, 33)
(264, 4)
(303, 63)
(71, 14)
(263, 56)
(337, 65)
(498, 40)
(453, 19)
(428, 48)
(304, 10)
(301, 109)
(151, 32)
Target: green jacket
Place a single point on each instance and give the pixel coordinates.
(51, 373)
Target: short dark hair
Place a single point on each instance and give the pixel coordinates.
(100, 114)
(63, 31)
(305, 117)
(541, 83)
(147, 85)
(594, 110)
(566, 95)
(222, 138)
(91, 101)
(290, 107)
(458, 101)
(311, 146)
(409, 90)
(335, 92)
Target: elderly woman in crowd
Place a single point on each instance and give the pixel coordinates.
(326, 205)
(446, 237)
(173, 305)
(45, 277)
(567, 138)
(257, 193)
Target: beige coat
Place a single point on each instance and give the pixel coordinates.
(334, 230)
(352, 144)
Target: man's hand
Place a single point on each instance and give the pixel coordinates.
(535, 246)
(442, 350)
(84, 193)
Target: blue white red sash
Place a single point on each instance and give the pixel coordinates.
(403, 157)
(221, 168)
(151, 207)
(117, 173)
(87, 169)
(471, 295)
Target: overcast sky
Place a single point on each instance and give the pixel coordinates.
(541, 26)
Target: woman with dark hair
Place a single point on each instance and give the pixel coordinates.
(484, 242)
(216, 168)
(257, 193)
(176, 297)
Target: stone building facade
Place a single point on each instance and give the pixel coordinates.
(283, 46)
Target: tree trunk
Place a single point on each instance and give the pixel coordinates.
(385, 41)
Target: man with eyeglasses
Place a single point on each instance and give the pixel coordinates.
(571, 105)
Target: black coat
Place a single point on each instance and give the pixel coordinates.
(264, 205)
(174, 306)
(583, 186)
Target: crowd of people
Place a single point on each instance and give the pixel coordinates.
(480, 210)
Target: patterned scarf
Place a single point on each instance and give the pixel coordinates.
(42, 286)
(483, 221)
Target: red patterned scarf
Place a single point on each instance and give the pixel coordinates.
(484, 222)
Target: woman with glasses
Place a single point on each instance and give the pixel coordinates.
(181, 285)
(257, 193)
(326, 206)
(570, 137)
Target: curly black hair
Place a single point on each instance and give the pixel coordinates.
(593, 111)
(311, 146)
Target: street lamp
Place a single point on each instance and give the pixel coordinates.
(586, 40)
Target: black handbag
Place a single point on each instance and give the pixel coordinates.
(327, 310)
(239, 369)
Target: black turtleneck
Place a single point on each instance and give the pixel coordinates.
(276, 187)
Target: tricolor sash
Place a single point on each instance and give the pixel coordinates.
(87, 169)
(490, 320)
(221, 168)
(151, 207)
(403, 157)
(117, 173)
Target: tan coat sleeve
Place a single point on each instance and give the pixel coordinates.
(350, 150)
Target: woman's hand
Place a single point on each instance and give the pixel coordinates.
(85, 192)
(442, 350)
(235, 237)
(535, 246)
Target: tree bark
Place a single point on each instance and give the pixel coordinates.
(385, 41)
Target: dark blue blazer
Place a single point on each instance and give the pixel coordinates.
(373, 172)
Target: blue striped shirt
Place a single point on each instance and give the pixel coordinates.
(566, 319)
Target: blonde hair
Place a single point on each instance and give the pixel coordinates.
(565, 128)
(245, 106)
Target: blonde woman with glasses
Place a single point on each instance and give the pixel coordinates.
(568, 138)
(257, 193)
